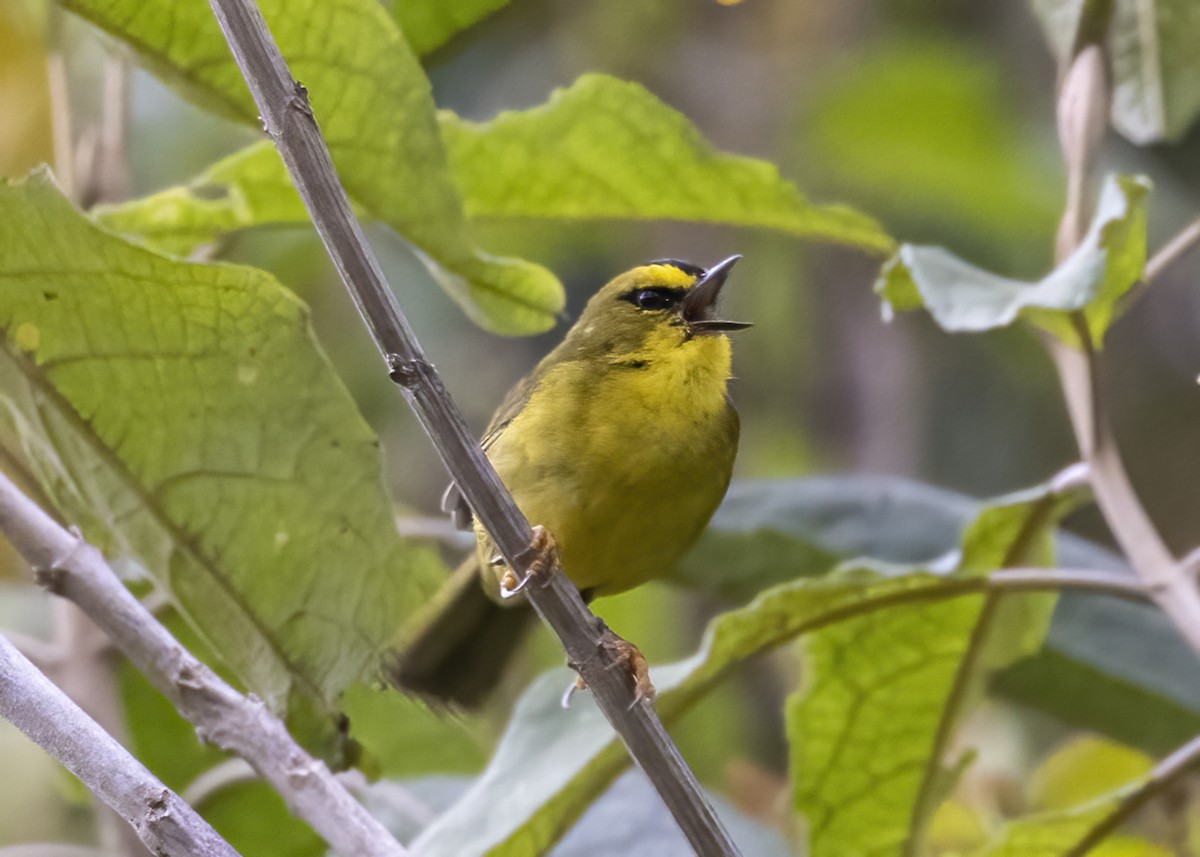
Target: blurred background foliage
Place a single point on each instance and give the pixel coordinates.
(935, 116)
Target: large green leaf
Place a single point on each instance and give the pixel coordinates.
(375, 108)
(186, 417)
(963, 298)
(1155, 66)
(1109, 665)
(606, 148)
(568, 159)
(871, 727)
(565, 758)
(429, 24)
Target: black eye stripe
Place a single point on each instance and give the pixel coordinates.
(654, 297)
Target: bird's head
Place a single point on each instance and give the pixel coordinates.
(662, 304)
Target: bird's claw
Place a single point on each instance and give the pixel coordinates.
(545, 557)
(626, 656)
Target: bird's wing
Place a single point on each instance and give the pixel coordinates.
(453, 502)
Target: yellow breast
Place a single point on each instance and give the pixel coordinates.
(624, 458)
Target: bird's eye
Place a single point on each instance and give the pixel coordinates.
(652, 299)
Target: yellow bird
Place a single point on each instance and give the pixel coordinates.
(620, 443)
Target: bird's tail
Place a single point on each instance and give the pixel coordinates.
(457, 648)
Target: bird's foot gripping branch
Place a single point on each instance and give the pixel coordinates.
(543, 559)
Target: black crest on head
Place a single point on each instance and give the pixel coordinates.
(687, 267)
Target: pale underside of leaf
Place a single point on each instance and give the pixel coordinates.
(963, 298)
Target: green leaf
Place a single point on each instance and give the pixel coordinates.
(1152, 55)
(567, 757)
(883, 693)
(963, 298)
(606, 148)
(374, 106)
(185, 416)
(567, 159)
(1055, 834)
(564, 759)
(246, 189)
(862, 730)
(1085, 767)
(429, 24)
(1108, 665)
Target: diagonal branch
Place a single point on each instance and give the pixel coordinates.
(283, 105)
(75, 570)
(166, 824)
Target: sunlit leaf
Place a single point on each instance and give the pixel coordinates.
(1083, 768)
(606, 148)
(1155, 67)
(185, 416)
(374, 106)
(567, 159)
(870, 728)
(963, 298)
(565, 758)
(1054, 834)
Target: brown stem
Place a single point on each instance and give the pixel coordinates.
(75, 570)
(283, 105)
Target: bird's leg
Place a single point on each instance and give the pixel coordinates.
(624, 655)
(545, 557)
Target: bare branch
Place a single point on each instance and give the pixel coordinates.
(216, 779)
(163, 822)
(75, 570)
(1055, 579)
(283, 106)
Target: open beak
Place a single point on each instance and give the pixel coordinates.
(699, 305)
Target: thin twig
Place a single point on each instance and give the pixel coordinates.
(1172, 251)
(1165, 774)
(1173, 590)
(166, 824)
(283, 105)
(75, 570)
(231, 772)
